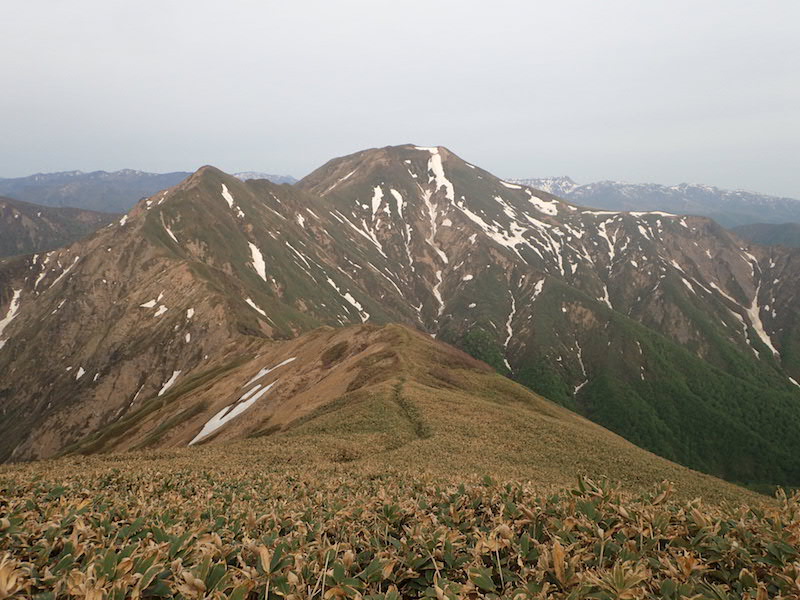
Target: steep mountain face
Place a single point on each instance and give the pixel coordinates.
(770, 234)
(662, 327)
(729, 208)
(27, 228)
(115, 191)
(665, 329)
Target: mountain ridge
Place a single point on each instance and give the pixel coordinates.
(658, 326)
(730, 208)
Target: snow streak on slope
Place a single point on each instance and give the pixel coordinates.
(509, 329)
(583, 370)
(754, 313)
(258, 261)
(377, 198)
(12, 312)
(364, 315)
(267, 371)
(169, 383)
(227, 196)
(255, 307)
(440, 180)
(228, 413)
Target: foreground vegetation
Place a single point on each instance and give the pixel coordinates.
(166, 526)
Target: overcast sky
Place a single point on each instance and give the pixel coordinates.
(644, 91)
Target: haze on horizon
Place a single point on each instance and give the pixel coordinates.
(662, 92)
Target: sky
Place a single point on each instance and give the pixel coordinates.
(706, 91)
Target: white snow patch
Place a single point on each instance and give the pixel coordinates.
(81, 372)
(149, 304)
(467, 278)
(441, 180)
(169, 383)
(172, 235)
(161, 310)
(511, 186)
(548, 208)
(509, 330)
(255, 307)
(13, 307)
(377, 198)
(123, 220)
(301, 220)
(352, 301)
(65, 271)
(266, 371)
(754, 313)
(189, 313)
(228, 413)
(227, 196)
(583, 370)
(258, 261)
(188, 337)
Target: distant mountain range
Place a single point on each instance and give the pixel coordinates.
(115, 191)
(665, 329)
(245, 175)
(729, 208)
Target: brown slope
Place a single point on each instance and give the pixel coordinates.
(26, 228)
(390, 398)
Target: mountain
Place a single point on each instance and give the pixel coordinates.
(729, 208)
(245, 175)
(29, 228)
(770, 234)
(659, 327)
(115, 191)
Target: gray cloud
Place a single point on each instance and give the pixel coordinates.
(641, 91)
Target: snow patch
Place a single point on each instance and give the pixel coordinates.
(352, 301)
(377, 198)
(228, 413)
(169, 383)
(266, 371)
(254, 306)
(258, 261)
(13, 308)
(227, 196)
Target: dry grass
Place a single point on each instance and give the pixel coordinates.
(195, 525)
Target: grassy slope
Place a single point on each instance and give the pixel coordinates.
(433, 409)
